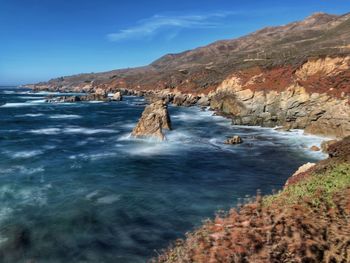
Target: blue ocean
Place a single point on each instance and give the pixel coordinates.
(75, 187)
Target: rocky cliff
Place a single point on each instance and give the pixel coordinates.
(301, 99)
(296, 76)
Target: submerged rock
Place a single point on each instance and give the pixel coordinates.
(154, 119)
(315, 148)
(234, 140)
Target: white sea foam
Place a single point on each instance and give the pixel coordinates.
(80, 130)
(30, 115)
(70, 130)
(193, 116)
(98, 156)
(8, 92)
(92, 194)
(46, 131)
(95, 101)
(22, 104)
(25, 154)
(25, 92)
(109, 199)
(25, 195)
(65, 116)
(93, 157)
(37, 101)
(128, 126)
(125, 137)
(22, 170)
(16, 104)
(31, 97)
(148, 149)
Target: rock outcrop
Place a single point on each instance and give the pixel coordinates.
(299, 174)
(234, 140)
(315, 148)
(117, 96)
(154, 119)
(99, 95)
(325, 145)
(246, 99)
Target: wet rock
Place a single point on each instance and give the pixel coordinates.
(282, 128)
(154, 119)
(52, 99)
(315, 148)
(95, 97)
(234, 140)
(203, 101)
(101, 92)
(117, 96)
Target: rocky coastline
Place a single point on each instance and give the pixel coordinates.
(247, 101)
(296, 76)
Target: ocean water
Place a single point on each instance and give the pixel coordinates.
(75, 187)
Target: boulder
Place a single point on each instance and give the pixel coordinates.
(234, 140)
(315, 148)
(203, 101)
(117, 96)
(101, 92)
(154, 119)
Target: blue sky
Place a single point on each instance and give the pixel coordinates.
(42, 39)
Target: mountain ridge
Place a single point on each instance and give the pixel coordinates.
(255, 49)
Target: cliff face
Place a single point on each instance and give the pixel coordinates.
(298, 98)
(296, 75)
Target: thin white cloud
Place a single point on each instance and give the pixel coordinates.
(158, 23)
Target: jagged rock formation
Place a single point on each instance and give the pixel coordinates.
(234, 140)
(296, 76)
(154, 119)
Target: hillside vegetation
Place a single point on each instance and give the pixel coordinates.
(308, 221)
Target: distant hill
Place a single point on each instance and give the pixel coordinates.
(205, 67)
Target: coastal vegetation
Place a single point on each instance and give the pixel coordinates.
(307, 221)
